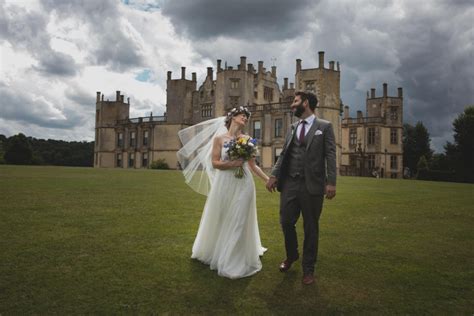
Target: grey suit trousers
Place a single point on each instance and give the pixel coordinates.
(294, 200)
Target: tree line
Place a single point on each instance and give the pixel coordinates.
(456, 164)
(22, 150)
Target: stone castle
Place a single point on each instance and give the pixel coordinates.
(125, 142)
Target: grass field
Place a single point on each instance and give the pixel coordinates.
(100, 241)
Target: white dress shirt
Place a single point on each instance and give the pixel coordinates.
(309, 122)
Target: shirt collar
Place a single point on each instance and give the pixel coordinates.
(309, 120)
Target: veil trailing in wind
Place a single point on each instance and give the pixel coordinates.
(195, 157)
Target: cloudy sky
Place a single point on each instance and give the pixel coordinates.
(55, 54)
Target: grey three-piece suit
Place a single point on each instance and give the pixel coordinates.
(302, 172)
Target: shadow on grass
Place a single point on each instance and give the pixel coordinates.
(209, 291)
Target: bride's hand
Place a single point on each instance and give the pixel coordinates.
(236, 163)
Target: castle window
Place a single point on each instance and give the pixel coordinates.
(353, 136)
(234, 83)
(145, 138)
(97, 115)
(277, 154)
(255, 94)
(256, 129)
(145, 160)
(131, 160)
(371, 162)
(352, 160)
(119, 160)
(132, 139)
(206, 110)
(268, 94)
(371, 136)
(120, 140)
(278, 127)
(393, 162)
(234, 102)
(393, 136)
(393, 113)
(310, 86)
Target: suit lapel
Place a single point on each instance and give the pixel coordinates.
(293, 131)
(311, 132)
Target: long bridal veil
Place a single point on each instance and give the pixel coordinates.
(195, 155)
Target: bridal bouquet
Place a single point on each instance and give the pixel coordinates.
(244, 147)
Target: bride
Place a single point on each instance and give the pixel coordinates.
(228, 238)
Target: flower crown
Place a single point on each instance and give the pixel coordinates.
(237, 111)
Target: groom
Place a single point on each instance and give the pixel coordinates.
(304, 173)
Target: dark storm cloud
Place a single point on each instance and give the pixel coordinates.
(27, 30)
(20, 107)
(57, 64)
(111, 45)
(267, 19)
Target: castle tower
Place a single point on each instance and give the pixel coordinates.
(234, 87)
(107, 115)
(179, 96)
(325, 83)
(388, 135)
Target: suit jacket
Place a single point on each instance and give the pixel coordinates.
(319, 159)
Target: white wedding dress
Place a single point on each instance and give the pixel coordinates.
(228, 238)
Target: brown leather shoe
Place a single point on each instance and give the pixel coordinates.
(308, 279)
(286, 265)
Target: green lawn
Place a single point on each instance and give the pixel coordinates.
(83, 240)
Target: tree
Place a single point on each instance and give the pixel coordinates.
(18, 150)
(460, 155)
(416, 143)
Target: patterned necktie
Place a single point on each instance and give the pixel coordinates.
(302, 131)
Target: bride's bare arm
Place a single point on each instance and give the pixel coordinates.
(256, 170)
(216, 157)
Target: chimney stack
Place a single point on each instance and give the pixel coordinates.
(372, 93)
(117, 95)
(183, 72)
(243, 62)
(346, 112)
(359, 117)
(384, 90)
(169, 75)
(321, 59)
(292, 85)
(400, 92)
(260, 66)
(209, 73)
(298, 65)
(219, 65)
(338, 67)
(194, 76)
(274, 71)
(331, 65)
(98, 96)
(285, 83)
(122, 98)
(250, 68)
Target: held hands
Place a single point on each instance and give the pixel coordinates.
(271, 184)
(330, 191)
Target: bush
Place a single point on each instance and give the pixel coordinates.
(159, 164)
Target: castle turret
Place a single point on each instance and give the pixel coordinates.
(108, 113)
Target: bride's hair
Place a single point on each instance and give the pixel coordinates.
(235, 112)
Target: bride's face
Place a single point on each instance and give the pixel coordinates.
(240, 119)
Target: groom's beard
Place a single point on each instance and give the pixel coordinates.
(299, 110)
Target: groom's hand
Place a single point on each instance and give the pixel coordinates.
(330, 191)
(271, 184)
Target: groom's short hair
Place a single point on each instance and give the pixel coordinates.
(310, 96)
